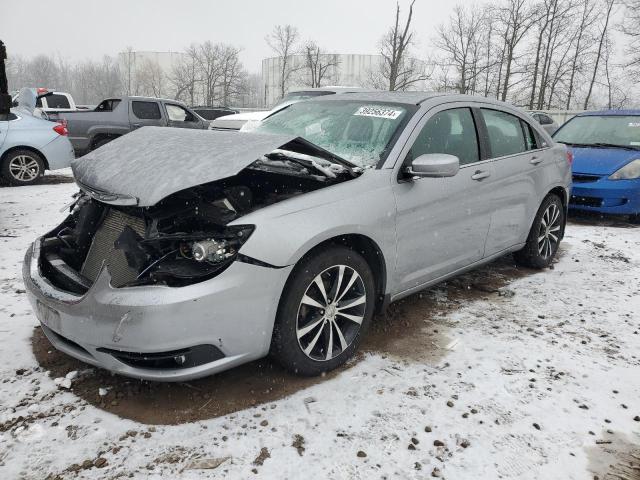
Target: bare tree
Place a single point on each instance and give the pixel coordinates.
(399, 70)
(184, 77)
(605, 28)
(514, 21)
(318, 64)
(581, 46)
(151, 78)
(631, 28)
(461, 41)
(233, 77)
(283, 40)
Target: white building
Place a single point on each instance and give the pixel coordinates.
(134, 63)
(352, 70)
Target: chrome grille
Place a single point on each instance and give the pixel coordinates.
(102, 248)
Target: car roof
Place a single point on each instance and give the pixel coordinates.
(407, 98)
(609, 113)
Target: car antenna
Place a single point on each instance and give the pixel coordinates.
(5, 98)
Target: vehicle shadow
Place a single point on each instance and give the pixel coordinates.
(408, 331)
(48, 179)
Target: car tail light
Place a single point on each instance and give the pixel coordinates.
(41, 90)
(61, 129)
(569, 157)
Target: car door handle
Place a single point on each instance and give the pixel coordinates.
(480, 175)
(136, 125)
(535, 161)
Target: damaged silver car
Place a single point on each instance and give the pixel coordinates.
(188, 252)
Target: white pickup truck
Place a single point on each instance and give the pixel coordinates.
(51, 101)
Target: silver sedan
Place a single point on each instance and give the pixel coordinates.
(189, 252)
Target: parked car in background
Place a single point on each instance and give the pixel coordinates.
(115, 117)
(31, 145)
(544, 119)
(236, 122)
(606, 161)
(211, 113)
(50, 101)
(189, 252)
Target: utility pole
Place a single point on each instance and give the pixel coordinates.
(5, 98)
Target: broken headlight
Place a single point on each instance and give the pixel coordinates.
(194, 257)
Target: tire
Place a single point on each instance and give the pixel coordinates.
(22, 167)
(312, 336)
(101, 142)
(542, 242)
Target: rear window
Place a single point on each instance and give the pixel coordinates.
(146, 110)
(57, 101)
(107, 105)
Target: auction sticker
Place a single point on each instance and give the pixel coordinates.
(378, 112)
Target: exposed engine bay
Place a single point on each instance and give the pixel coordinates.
(186, 237)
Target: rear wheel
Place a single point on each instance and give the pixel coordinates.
(22, 167)
(545, 235)
(325, 309)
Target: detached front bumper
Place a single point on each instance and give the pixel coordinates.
(209, 327)
(599, 194)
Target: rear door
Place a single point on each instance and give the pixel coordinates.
(442, 223)
(146, 113)
(180, 117)
(518, 176)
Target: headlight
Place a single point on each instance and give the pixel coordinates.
(629, 172)
(188, 258)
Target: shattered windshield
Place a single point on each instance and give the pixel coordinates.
(361, 132)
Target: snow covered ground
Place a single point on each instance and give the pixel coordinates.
(508, 374)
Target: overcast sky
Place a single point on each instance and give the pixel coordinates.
(79, 29)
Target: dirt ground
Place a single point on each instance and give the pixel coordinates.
(403, 332)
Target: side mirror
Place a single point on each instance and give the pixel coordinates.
(434, 165)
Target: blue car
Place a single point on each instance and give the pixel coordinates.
(606, 161)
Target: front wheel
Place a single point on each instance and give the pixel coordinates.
(22, 167)
(545, 235)
(325, 309)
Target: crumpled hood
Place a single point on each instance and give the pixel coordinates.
(601, 161)
(153, 162)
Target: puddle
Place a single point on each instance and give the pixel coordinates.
(407, 332)
(614, 457)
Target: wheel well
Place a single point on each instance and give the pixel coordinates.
(560, 192)
(99, 136)
(371, 253)
(31, 149)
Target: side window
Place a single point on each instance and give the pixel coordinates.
(506, 136)
(178, 114)
(450, 131)
(529, 136)
(146, 110)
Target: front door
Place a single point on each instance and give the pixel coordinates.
(146, 113)
(442, 223)
(180, 117)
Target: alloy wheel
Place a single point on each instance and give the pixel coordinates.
(549, 233)
(24, 168)
(331, 312)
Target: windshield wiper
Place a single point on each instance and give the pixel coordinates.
(300, 159)
(599, 145)
(613, 145)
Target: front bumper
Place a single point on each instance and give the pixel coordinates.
(233, 312)
(619, 197)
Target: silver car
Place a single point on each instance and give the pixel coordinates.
(189, 252)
